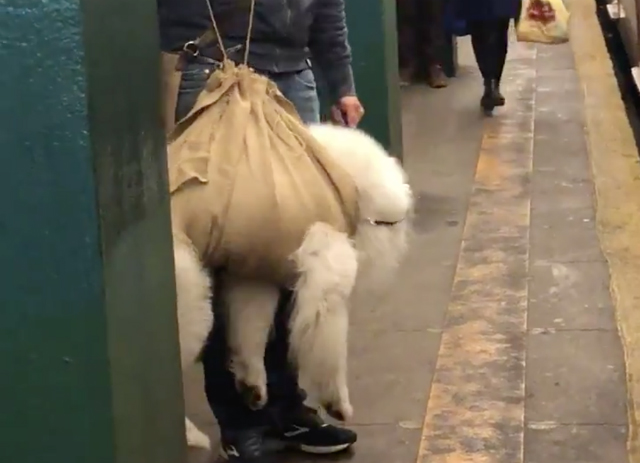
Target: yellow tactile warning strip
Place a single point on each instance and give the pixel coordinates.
(475, 411)
(616, 171)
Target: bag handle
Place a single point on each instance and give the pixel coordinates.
(219, 36)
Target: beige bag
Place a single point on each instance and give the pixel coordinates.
(248, 179)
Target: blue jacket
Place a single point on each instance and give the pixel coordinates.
(483, 10)
(286, 34)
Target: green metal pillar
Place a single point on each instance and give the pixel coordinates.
(450, 56)
(373, 37)
(89, 360)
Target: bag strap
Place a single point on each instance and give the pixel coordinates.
(214, 34)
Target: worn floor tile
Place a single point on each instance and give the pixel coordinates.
(416, 303)
(389, 375)
(553, 192)
(580, 444)
(570, 296)
(564, 236)
(575, 377)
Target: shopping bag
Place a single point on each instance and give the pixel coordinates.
(543, 21)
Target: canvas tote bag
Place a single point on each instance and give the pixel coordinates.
(247, 179)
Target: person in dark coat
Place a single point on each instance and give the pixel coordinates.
(488, 23)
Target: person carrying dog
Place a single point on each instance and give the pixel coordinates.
(285, 37)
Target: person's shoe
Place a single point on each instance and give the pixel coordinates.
(498, 97)
(306, 431)
(488, 100)
(248, 446)
(436, 77)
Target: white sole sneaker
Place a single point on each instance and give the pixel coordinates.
(324, 450)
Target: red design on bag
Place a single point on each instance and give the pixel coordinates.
(541, 11)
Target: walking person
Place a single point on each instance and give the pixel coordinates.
(488, 23)
(421, 41)
(285, 36)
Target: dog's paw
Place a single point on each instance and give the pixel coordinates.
(196, 438)
(255, 396)
(342, 411)
(251, 382)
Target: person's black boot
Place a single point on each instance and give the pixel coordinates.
(498, 96)
(488, 100)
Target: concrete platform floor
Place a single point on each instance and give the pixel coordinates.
(499, 343)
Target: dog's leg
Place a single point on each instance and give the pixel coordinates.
(328, 264)
(193, 295)
(195, 317)
(250, 307)
(195, 437)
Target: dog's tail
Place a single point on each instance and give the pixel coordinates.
(328, 264)
(193, 295)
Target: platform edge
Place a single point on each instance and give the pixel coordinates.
(615, 167)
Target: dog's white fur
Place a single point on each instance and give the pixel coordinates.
(328, 266)
(195, 318)
(333, 268)
(250, 307)
(383, 195)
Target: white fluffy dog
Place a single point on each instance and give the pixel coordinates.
(333, 268)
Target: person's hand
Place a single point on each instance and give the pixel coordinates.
(348, 111)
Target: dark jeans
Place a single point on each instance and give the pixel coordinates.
(226, 403)
(298, 87)
(490, 40)
(421, 33)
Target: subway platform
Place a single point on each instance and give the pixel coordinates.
(511, 334)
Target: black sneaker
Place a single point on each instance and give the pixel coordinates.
(247, 446)
(306, 431)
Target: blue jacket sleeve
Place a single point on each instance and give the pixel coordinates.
(330, 50)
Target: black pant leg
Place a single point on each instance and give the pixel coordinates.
(433, 35)
(407, 52)
(284, 393)
(479, 41)
(502, 45)
(490, 41)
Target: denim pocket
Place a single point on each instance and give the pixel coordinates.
(195, 76)
(306, 79)
(193, 80)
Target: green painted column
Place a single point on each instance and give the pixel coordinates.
(373, 37)
(89, 361)
(450, 56)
